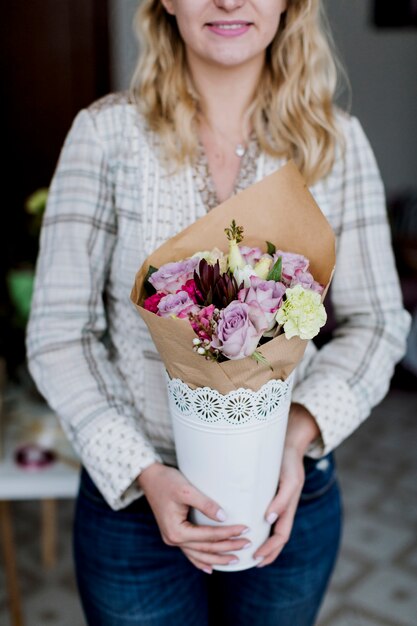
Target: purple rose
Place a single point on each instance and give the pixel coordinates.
(176, 304)
(306, 280)
(265, 296)
(172, 276)
(291, 262)
(250, 255)
(238, 332)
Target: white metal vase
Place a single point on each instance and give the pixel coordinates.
(230, 447)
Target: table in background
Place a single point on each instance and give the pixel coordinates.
(59, 480)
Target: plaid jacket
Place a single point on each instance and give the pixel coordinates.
(111, 203)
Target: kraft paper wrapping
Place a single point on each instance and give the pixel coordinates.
(280, 209)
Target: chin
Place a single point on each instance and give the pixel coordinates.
(229, 58)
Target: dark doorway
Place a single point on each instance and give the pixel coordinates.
(54, 60)
(401, 13)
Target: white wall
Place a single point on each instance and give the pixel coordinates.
(123, 43)
(382, 66)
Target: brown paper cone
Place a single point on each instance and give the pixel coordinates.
(279, 209)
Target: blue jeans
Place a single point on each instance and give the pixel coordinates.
(127, 576)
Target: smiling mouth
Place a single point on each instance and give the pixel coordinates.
(229, 25)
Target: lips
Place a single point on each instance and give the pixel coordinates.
(229, 25)
(229, 28)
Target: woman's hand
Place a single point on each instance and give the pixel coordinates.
(302, 430)
(170, 496)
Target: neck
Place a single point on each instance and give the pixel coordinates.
(226, 93)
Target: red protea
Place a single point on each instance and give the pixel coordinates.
(214, 287)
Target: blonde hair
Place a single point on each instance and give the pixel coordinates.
(293, 114)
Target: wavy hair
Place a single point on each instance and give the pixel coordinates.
(293, 113)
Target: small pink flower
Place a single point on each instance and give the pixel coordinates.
(201, 322)
(191, 288)
(151, 303)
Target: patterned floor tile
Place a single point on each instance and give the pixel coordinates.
(352, 571)
(53, 606)
(376, 540)
(331, 604)
(408, 561)
(389, 593)
(358, 492)
(349, 616)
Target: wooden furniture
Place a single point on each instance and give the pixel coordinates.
(59, 480)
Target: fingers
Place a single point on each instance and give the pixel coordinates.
(282, 508)
(270, 550)
(218, 547)
(193, 497)
(207, 560)
(185, 532)
(289, 490)
(200, 565)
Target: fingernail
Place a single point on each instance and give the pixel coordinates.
(259, 560)
(221, 515)
(246, 546)
(233, 562)
(207, 571)
(272, 517)
(244, 532)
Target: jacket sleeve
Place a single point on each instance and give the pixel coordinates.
(66, 345)
(351, 374)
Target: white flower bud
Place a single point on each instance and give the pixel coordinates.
(235, 258)
(262, 267)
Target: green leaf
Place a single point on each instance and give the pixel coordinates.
(259, 358)
(271, 248)
(149, 288)
(275, 273)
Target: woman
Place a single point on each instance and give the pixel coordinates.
(225, 92)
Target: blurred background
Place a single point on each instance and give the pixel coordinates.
(58, 56)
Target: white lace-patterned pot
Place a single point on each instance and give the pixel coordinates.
(230, 447)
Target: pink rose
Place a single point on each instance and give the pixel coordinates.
(191, 288)
(306, 280)
(171, 276)
(291, 262)
(176, 304)
(250, 255)
(265, 296)
(151, 303)
(238, 332)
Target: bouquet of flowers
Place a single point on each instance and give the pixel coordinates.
(231, 322)
(236, 302)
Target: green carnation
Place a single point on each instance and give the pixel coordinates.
(302, 314)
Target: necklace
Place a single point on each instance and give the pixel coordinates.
(239, 148)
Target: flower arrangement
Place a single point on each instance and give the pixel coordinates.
(248, 308)
(235, 302)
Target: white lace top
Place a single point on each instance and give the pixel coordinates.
(111, 204)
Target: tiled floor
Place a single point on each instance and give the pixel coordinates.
(375, 581)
